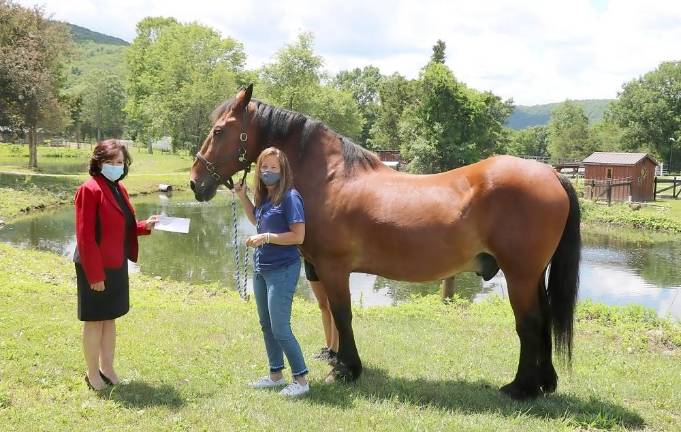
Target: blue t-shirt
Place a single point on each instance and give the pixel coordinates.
(278, 219)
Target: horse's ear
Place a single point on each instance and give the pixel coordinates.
(244, 96)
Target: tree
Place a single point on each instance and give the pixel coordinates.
(649, 110)
(339, 111)
(31, 52)
(451, 125)
(178, 74)
(607, 136)
(569, 133)
(294, 81)
(395, 93)
(531, 141)
(294, 77)
(103, 103)
(438, 55)
(363, 85)
(74, 106)
(193, 104)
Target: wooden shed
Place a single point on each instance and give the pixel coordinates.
(617, 176)
(391, 158)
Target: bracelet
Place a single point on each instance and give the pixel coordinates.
(268, 238)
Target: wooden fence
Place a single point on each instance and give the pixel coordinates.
(617, 189)
(675, 187)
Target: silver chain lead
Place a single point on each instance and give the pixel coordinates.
(242, 288)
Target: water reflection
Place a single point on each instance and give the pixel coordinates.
(615, 269)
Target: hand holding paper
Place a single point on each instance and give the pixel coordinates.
(173, 224)
(151, 221)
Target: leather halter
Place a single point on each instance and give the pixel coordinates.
(240, 156)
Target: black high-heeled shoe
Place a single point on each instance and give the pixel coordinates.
(105, 378)
(89, 384)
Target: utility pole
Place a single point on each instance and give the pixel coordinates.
(671, 148)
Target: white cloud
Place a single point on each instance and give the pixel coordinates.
(531, 50)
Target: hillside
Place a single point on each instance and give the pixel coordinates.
(93, 52)
(535, 115)
(82, 34)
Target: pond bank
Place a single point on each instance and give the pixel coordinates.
(662, 216)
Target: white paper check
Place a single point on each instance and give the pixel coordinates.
(172, 224)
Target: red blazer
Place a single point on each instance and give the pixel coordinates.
(95, 199)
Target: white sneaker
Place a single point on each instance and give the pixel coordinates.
(295, 389)
(267, 382)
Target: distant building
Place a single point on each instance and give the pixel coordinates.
(615, 170)
(391, 158)
(163, 144)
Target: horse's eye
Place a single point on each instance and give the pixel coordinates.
(217, 131)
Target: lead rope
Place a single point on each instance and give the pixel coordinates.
(241, 287)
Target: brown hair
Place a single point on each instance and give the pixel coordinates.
(285, 182)
(107, 150)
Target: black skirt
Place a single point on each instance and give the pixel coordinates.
(112, 303)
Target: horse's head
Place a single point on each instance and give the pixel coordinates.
(226, 150)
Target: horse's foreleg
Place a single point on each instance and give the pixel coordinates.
(348, 366)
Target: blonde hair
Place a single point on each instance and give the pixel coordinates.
(285, 182)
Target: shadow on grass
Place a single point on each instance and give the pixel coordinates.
(475, 397)
(139, 394)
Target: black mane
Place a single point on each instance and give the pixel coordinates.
(278, 123)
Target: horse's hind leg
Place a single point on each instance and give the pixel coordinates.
(535, 369)
(548, 375)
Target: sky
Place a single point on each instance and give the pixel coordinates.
(533, 51)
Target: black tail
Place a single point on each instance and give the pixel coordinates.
(564, 276)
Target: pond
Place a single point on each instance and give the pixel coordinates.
(618, 267)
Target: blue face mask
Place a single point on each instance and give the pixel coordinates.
(112, 172)
(269, 178)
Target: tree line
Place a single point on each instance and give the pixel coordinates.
(645, 117)
(177, 73)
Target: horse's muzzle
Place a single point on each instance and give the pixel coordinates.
(202, 191)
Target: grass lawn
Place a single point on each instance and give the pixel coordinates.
(670, 207)
(188, 352)
(62, 170)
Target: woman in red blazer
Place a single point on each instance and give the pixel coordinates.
(106, 235)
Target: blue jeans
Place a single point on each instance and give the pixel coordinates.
(274, 297)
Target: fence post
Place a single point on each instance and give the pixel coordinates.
(674, 194)
(448, 288)
(655, 190)
(609, 186)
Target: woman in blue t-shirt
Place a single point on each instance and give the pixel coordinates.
(280, 221)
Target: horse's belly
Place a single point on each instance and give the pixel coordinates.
(420, 265)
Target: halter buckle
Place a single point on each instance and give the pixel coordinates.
(243, 137)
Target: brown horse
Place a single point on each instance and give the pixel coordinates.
(362, 216)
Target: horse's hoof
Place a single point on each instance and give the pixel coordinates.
(549, 386)
(345, 373)
(519, 392)
(550, 382)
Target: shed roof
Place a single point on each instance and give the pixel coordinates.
(614, 158)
